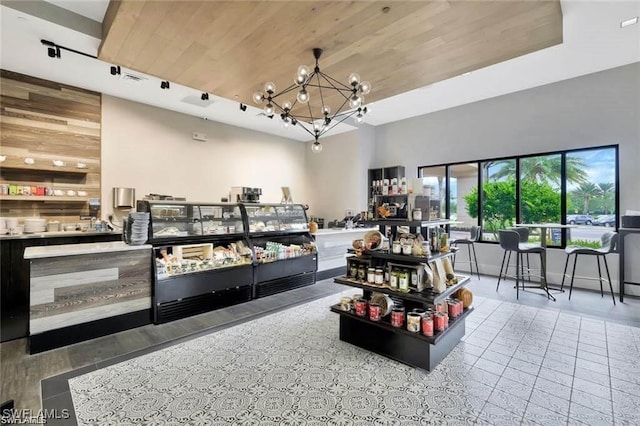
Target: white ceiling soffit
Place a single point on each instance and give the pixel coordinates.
(593, 41)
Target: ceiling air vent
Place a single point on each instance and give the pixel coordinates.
(133, 78)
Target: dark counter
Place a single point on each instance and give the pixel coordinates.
(14, 270)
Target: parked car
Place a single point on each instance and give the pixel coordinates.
(579, 219)
(605, 220)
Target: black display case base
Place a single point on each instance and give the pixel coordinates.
(183, 308)
(90, 330)
(283, 284)
(408, 349)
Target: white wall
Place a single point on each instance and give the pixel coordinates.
(337, 177)
(152, 150)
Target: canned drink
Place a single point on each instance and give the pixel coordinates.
(427, 326)
(374, 312)
(361, 307)
(452, 309)
(438, 321)
(397, 317)
(413, 322)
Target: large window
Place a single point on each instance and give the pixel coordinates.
(577, 187)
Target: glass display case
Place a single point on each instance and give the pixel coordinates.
(276, 218)
(170, 219)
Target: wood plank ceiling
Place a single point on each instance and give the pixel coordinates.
(231, 48)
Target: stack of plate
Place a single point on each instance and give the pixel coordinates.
(34, 225)
(137, 228)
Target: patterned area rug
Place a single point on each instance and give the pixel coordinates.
(290, 368)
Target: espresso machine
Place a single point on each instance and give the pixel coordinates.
(243, 194)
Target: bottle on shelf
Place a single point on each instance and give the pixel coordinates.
(403, 280)
(393, 279)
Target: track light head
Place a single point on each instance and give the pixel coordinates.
(115, 70)
(243, 107)
(164, 84)
(53, 52)
(205, 96)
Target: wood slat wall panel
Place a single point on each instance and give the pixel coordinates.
(47, 121)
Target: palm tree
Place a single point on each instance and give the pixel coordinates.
(608, 189)
(587, 191)
(544, 169)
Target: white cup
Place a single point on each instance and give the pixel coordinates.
(29, 160)
(12, 222)
(71, 193)
(82, 193)
(81, 165)
(59, 163)
(2, 158)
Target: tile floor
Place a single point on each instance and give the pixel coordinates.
(517, 364)
(550, 367)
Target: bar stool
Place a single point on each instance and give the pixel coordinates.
(609, 241)
(476, 231)
(524, 240)
(510, 242)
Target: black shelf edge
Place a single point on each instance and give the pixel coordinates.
(426, 296)
(254, 234)
(405, 222)
(386, 325)
(202, 271)
(408, 258)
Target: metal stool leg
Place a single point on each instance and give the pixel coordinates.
(518, 275)
(475, 258)
(501, 267)
(573, 274)
(543, 267)
(470, 264)
(606, 266)
(600, 276)
(564, 274)
(454, 256)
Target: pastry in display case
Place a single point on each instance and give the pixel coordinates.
(185, 259)
(276, 217)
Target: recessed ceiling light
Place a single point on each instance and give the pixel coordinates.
(467, 73)
(628, 22)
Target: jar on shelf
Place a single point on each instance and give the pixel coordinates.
(379, 276)
(353, 270)
(397, 317)
(396, 247)
(403, 280)
(362, 273)
(371, 275)
(361, 307)
(375, 312)
(413, 322)
(393, 278)
(427, 325)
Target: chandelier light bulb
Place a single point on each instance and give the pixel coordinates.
(326, 110)
(316, 147)
(365, 87)
(355, 101)
(354, 79)
(268, 110)
(359, 118)
(303, 96)
(258, 97)
(303, 71)
(285, 122)
(270, 87)
(299, 79)
(286, 106)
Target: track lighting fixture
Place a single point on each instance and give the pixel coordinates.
(205, 96)
(54, 50)
(243, 107)
(164, 84)
(115, 70)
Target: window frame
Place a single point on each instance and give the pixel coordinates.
(563, 183)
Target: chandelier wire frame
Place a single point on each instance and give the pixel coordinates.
(318, 124)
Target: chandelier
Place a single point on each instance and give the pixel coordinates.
(318, 122)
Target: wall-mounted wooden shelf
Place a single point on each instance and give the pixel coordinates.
(43, 168)
(41, 198)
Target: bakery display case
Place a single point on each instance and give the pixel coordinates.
(202, 257)
(284, 251)
(170, 219)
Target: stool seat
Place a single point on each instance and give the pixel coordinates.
(470, 243)
(608, 242)
(512, 241)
